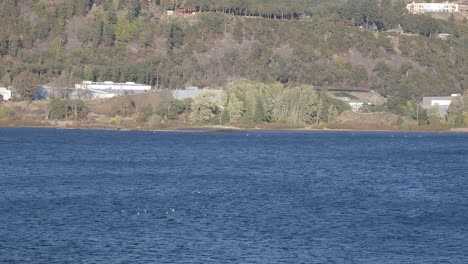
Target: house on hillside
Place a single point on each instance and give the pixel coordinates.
(421, 8)
(442, 103)
(355, 104)
(444, 36)
(41, 93)
(187, 10)
(463, 8)
(5, 93)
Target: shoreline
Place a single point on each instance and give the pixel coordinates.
(212, 128)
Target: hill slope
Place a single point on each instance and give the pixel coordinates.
(292, 42)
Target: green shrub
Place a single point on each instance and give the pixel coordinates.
(3, 112)
(145, 114)
(77, 109)
(116, 120)
(57, 109)
(65, 109)
(173, 108)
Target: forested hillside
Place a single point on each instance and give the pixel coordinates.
(327, 43)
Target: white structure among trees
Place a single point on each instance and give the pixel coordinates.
(420, 8)
(441, 103)
(109, 89)
(6, 94)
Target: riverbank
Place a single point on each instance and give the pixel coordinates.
(105, 115)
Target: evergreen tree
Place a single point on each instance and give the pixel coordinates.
(175, 37)
(98, 30)
(6, 80)
(234, 109)
(260, 115)
(108, 35)
(134, 9)
(26, 84)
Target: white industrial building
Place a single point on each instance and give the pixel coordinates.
(442, 103)
(108, 89)
(5, 93)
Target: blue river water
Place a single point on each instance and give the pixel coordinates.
(72, 196)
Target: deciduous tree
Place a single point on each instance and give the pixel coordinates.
(26, 84)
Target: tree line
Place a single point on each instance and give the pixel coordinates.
(276, 9)
(248, 103)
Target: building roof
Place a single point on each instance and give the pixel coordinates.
(427, 100)
(438, 97)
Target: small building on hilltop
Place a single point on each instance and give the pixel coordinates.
(186, 10)
(463, 8)
(421, 8)
(444, 36)
(108, 89)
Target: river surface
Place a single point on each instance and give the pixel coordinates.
(71, 196)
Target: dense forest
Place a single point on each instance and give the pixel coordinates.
(325, 43)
